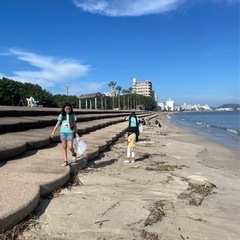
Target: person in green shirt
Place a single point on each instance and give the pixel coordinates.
(133, 123)
(67, 119)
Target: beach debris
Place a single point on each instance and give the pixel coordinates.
(113, 206)
(13, 233)
(160, 166)
(156, 214)
(148, 236)
(183, 237)
(163, 134)
(101, 222)
(196, 193)
(73, 181)
(134, 223)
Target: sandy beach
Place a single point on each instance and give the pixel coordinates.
(182, 186)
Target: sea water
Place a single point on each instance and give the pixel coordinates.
(222, 127)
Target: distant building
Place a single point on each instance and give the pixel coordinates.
(186, 107)
(169, 104)
(161, 105)
(142, 87)
(195, 107)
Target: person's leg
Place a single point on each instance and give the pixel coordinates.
(133, 155)
(64, 148)
(128, 155)
(63, 138)
(70, 145)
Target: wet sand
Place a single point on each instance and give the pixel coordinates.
(182, 186)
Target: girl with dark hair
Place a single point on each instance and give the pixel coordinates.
(67, 119)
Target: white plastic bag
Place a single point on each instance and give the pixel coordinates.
(80, 146)
(140, 128)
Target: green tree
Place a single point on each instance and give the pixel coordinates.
(112, 85)
(119, 89)
(124, 92)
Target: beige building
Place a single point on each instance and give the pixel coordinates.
(143, 87)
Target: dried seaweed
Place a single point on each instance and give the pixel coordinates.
(156, 214)
(196, 193)
(148, 236)
(73, 181)
(166, 167)
(13, 233)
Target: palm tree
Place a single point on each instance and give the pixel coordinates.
(119, 89)
(124, 91)
(112, 85)
(130, 93)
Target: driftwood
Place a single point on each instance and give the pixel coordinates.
(113, 206)
(182, 236)
(102, 221)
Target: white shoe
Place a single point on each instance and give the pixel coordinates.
(74, 157)
(126, 161)
(133, 161)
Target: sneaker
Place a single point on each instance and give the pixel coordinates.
(64, 164)
(133, 161)
(126, 161)
(74, 156)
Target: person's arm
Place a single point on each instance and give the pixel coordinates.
(55, 128)
(75, 129)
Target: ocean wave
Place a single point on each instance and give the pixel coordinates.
(222, 128)
(234, 131)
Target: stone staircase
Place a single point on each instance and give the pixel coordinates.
(30, 161)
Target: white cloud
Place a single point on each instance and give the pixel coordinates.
(121, 8)
(50, 71)
(127, 8)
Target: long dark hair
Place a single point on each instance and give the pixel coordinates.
(66, 104)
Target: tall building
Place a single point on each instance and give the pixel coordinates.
(143, 87)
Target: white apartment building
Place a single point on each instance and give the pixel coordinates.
(170, 104)
(142, 88)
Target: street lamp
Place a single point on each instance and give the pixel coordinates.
(67, 89)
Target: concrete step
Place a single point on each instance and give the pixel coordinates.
(15, 124)
(38, 171)
(19, 142)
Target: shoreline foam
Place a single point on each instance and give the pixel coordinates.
(226, 137)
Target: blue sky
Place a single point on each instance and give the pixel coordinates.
(188, 49)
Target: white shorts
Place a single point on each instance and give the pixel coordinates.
(131, 152)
